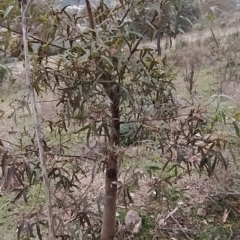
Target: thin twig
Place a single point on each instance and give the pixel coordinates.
(231, 234)
(15, 145)
(171, 213)
(54, 100)
(173, 229)
(33, 37)
(140, 39)
(24, 8)
(179, 225)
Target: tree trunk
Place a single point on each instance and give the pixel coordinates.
(111, 177)
(109, 212)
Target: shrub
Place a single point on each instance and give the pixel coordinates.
(189, 14)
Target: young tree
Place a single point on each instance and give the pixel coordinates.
(114, 77)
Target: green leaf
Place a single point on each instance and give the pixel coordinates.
(157, 7)
(218, 155)
(38, 231)
(83, 129)
(232, 153)
(224, 117)
(26, 105)
(214, 8)
(20, 230)
(237, 117)
(52, 33)
(8, 10)
(4, 163)
(165, 165)
(88, 135)
(1, 113)
(210, 18)
(236, 128)
(108, 60)
(154, 168)
(28, 171)
(19, 194)
(63, 10)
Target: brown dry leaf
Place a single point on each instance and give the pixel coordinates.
(210, 220)
(205, 222)
(225, 215)
(161, 222)
(201, 212)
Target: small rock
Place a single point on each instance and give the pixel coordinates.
(161, 222)
(133, 222)
(201, 212)
(132, 195)
(210, 220)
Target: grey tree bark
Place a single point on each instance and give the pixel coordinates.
(110, 199)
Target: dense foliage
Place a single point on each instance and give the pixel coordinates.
(189, 14)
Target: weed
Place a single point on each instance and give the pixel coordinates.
(209, 232)
(7, 223)
(3, 72)
(147, 225)
(181, 44)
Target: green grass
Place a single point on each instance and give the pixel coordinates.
(12, 213)
(205, 81)
(3, 72)
(7, 222)
(211, 232)
(147, 226)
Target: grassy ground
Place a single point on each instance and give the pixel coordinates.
(191, 207)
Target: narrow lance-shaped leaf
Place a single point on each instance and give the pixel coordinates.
(8, 10)
(236, 128)
(232, 153)
(4, 163)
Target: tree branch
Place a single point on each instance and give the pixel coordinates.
(90, 16)
(140, 39)
(33, 37)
